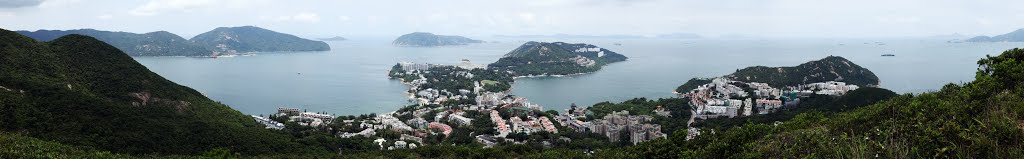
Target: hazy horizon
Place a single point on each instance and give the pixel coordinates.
(484, 19)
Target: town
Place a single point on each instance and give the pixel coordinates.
(728, 98)
(455, 103)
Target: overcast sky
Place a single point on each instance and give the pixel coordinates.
(483, 18)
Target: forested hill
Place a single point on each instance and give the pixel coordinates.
(254, 39)
(557, 58)
(160, 43)
(831, 68)
(80, 91)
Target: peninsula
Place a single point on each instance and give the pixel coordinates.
(229, 40)
(555, 58)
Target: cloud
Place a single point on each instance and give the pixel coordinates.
(157, 6)
(58, 3)
(306, 17)
(574, 3)
(300, 17)
(527, 16)
(19, 3)
(897, 19)
(105, 17)
(154, 7)
(344, 18)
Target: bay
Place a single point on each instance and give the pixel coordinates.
(351, 78)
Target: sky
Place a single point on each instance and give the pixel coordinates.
(485, 18)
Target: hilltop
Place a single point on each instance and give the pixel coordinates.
(831, 68)
(159, 43)
(254, 39)
(556, 58)
(429, 39)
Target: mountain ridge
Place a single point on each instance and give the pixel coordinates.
(157, 43)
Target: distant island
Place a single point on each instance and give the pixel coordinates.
(680, 36)
(574, 36)
(220, 41)
(226, 40)
(424, 39)
(617, 36)
(557, 58)
(159, 43)
(1015, 36)
(336, 38)
(831, 68)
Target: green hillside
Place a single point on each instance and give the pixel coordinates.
(831, 68)
(81, 91)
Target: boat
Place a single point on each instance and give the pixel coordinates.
(618, 44)
(888, 55)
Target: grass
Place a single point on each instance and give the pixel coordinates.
(488, 82)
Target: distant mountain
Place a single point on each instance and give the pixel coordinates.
(254, 39)
(832, 68)
(336, 38)
(557, 58)
(160, 43)
(1015, 36)
(680, 36)
(572, 36)
(80, 91)
(429, 39)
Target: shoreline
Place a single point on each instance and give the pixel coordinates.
(539, 76)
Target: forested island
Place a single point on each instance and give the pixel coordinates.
(424, 39)
(555, 58)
